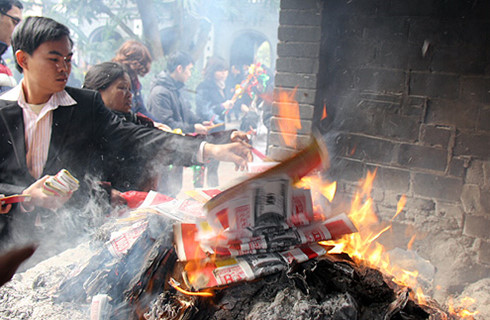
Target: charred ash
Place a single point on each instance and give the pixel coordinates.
(332, 287)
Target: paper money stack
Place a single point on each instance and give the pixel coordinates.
(258, 231)
(61, 184)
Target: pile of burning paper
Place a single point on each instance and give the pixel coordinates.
(256, 228)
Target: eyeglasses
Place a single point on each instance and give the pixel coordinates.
(14, 19)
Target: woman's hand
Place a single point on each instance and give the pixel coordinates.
(161, 126)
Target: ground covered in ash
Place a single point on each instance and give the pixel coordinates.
(29, 295)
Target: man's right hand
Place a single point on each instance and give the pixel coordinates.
(236, 152)
(200, 128)
(41, 199)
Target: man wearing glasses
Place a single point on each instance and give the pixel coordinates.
(10, 16)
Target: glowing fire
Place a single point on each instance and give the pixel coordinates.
(362, 246)
(326, 188)
(462, 311)
(289, 118)
(176, 286)
(324, 114)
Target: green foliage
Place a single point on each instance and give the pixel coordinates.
(190, 16)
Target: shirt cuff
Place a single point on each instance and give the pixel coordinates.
(25, 207)
(200, 153)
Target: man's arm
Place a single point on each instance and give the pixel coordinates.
(162, 108)
(167, 147)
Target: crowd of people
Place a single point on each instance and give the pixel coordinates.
(104, 133)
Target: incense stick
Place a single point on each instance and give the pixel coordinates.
(259, 154)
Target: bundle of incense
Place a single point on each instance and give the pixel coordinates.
(215, 126)
(259, 154)
(62, 184)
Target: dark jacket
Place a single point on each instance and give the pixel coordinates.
(168, 106)
(6, 77)
(124, 169)
(209, 98)
(138, 103)
(79, 132)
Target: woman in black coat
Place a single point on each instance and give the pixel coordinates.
(125, 171)
(212, 104)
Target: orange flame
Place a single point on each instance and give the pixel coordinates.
(326, 188)
(353, 150)
(400, 206)
(410, 243)
(289, 121)
(462, 311)
(362, 247)
(329, 190)
(177, 287)
(324, 115)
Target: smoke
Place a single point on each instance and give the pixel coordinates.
(55, 231)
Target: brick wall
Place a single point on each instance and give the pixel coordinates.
(297, 67)
(406, 85)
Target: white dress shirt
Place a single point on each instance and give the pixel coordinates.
(38, 120)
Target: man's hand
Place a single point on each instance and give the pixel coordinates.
(41, 199)
(237, 136)
(200, 128)
(228, 104)
(10, 261)
(236, 152)
(117, 199)
(5, 208)
(162, 126)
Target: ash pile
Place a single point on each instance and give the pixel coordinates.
(249, 252)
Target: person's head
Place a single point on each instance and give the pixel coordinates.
(10, 16)
(111, 79)
(179, 66)
(216, 69)
(43, 52)
(134, 55)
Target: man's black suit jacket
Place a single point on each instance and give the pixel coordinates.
(80, 133)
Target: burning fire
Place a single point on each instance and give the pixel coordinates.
(289, 118)
(176, 285)
(362, 246)
(462, 311)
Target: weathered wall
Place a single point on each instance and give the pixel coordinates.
(406, 85)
